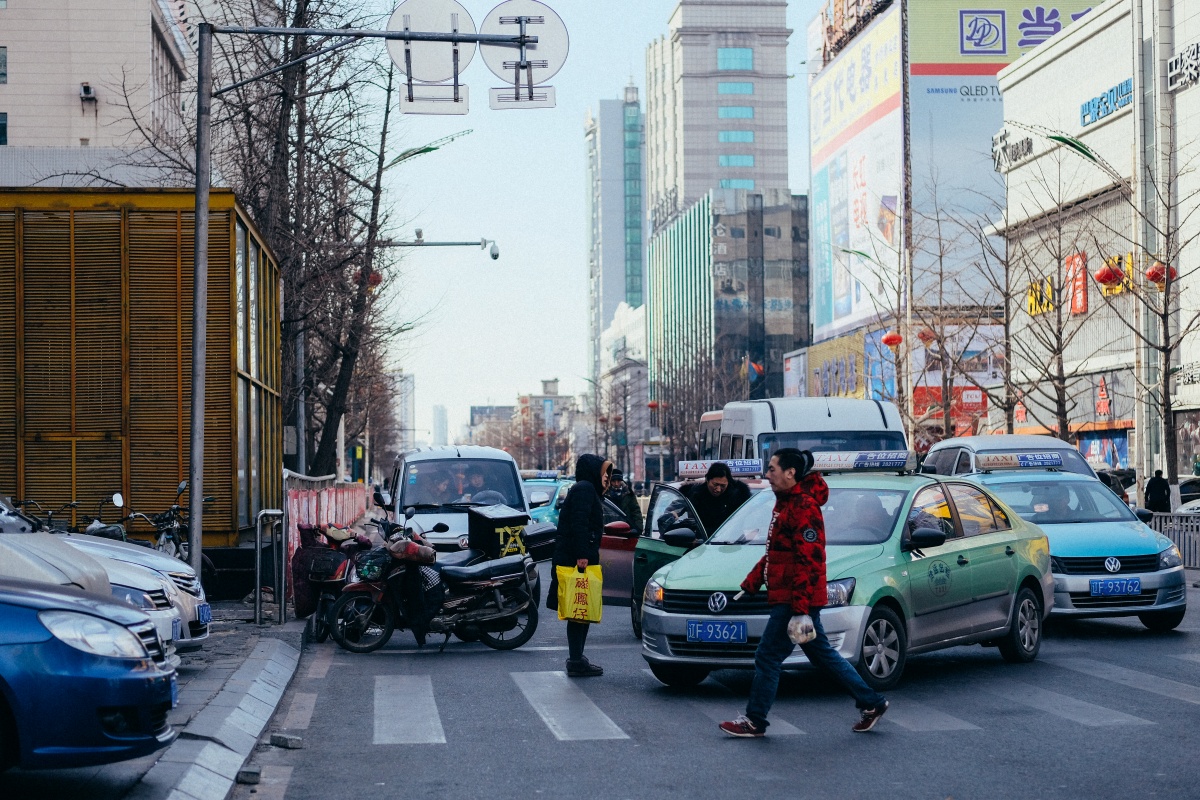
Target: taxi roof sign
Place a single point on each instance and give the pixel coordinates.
(991, 461)
(540, 474)
(740, 467)
(864, 461)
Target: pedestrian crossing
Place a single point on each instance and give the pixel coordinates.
(407, 709)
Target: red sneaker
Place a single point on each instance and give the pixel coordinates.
(869, 717)
(743, 728)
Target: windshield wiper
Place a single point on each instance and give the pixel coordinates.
(420, 506)
(464, 503)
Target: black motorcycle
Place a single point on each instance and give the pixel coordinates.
(401, 586)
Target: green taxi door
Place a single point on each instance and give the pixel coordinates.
(939, 578)
(993, 557)
(668, 510)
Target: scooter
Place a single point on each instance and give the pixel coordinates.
(319, 571)
(116, 532)
(386, 590)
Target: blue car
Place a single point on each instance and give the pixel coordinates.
(83, 680)
(1106, 561)
(555, 488)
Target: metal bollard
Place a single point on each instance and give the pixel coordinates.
(282, 600)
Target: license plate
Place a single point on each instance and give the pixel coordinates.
(204, 613)
(729, 632)
(1106, 587)
(174, 692)
(176, 629)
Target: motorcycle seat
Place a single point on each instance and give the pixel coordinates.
(512, 565)
(459, 558)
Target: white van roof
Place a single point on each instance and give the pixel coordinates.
(456, 451)
(814, 414)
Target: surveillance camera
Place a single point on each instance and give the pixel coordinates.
(494, 252)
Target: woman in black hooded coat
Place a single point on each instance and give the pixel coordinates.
(580, 528)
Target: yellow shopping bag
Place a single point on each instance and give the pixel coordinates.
(579, 593)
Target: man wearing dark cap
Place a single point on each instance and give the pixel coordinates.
(717, 497)
(619, 493)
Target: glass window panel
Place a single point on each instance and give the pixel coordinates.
(735, 161)
(732, 87)
(735, 112)
(735, 137)
(735, 58)
(931, 509)
(243, 455)
(3, 128)
(252, 305)
(255, 451)
(737, 183)
(241, 296)
(3, 65)
(974, 510)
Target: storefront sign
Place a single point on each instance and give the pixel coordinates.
(1006, 153)
(835, 367)
(1075, 267)
(1183, 69)
(1107, 103)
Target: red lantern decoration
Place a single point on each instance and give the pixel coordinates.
(1110, 274)
(528, 439)
(541, 434)
(602, 420)
(926, 336)
(553, 434)
(1158, 274)
(653, 404)
(892, 339)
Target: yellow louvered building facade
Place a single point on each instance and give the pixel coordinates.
(95, 354)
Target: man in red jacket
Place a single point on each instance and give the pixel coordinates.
(794, 571)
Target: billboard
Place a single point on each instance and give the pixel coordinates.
(855, 138)
(795, 373)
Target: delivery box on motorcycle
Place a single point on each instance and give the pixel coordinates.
(497, 530)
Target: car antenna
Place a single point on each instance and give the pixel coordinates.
(828, 412)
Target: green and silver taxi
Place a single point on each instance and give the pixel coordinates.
(1105, 560)
(914, 563)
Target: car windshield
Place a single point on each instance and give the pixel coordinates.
(1072, 460)
(1063, 502)
(852, 516)
(429, 486)
(830, 441)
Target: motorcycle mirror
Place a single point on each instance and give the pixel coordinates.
(73, 504)
(182, 488)
(441, 527)
(118, 500)
(410, 512)
(208, 498)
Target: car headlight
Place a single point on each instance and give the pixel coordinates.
(94, 635)
(653, 596)
(134, 597)
(1169, 558)
(1056, 566)
(839, 592)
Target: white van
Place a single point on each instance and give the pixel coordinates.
(757, 428)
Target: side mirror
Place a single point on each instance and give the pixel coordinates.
(926, 537)
(559, 502)
(182, 488)
(441, 527)
(928, 469)
(618, 528)
(680, 537)
(1144, 515)
(383, 499)
(410, 512)
(118, 500)
(208, 498)
(538, 499)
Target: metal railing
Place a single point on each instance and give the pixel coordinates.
(1184, 531)
(280, 554)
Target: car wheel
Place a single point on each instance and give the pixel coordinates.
(884, 649)
(635, 617)
(1024, 638)
(678, 675)
(1163, 621)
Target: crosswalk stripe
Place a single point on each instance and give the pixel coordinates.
(1190, 657)
(1132, 678)
(300, 712)
(405, 711)
(1060, 705)
(567, 711)
(920, 718)
(720, 706)
(320, 664)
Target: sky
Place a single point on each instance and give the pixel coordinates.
(488, 330)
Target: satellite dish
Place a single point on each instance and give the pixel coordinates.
(431, 62)
(546, 57)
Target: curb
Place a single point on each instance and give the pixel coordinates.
(203, 763)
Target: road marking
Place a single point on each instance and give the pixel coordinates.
(405, 711)
(273, 783)
(1190, 657)
(320, 664)
(920, 718)
(300, 712)
(1131, 678)
(567, 711)
(719, 702)
(1060, 705)
(462, 650)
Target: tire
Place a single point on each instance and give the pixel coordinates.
(1024, 638)
(318, 623)
(883, 651)
(679, 676)
(635, 617)
(359, 624)
(527, 622)
(1163, 621)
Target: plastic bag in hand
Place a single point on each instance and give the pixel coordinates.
(801, 630)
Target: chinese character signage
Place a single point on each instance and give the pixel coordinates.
(1075, 268)
(1183, 69)
(1097, 108)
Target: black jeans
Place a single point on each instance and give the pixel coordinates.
(576, 635)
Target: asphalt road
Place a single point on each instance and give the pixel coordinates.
(1107, 710)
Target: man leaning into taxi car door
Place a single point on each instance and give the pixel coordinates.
(793, 570)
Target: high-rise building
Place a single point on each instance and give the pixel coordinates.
(716, 103)
(405, 387)
(441, 426)
(614, 138)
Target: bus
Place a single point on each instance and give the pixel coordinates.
(710, 434)
(756, 428)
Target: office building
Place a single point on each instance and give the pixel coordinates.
(404, 384)
(614, 138)
(441, 426)
(716, 103)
